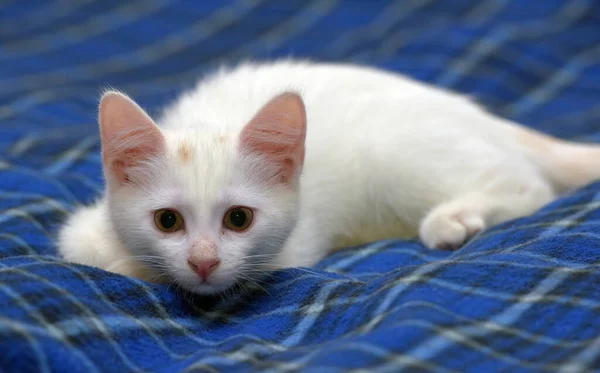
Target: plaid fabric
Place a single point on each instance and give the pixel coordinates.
(524, 296)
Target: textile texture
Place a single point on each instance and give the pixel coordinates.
(522, 296)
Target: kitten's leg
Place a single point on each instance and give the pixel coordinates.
(451, 224)
(306, 245)
(87, 238)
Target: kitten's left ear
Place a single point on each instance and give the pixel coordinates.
(277, 133)
(129, 137)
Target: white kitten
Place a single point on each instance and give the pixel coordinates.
(244, 175)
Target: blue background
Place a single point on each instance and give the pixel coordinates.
(523, 296)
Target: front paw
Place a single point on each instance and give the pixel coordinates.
(449, 230)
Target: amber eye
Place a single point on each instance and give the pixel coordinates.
(168, 220)
(238, 219)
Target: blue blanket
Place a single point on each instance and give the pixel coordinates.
(523, 296)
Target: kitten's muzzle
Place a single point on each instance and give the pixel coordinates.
(204, 267)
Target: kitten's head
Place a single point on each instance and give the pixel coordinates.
(203, 209)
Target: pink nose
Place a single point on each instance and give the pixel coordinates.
(204, 267)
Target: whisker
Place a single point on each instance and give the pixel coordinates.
(258, 285)
(311, 272)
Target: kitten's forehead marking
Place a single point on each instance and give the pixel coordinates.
(185, 151)
(204, 165)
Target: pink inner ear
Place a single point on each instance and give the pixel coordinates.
(128, 134)
(277, 133)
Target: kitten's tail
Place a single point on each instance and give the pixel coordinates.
(567, 165)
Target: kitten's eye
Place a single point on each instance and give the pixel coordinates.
(168, 220)
(238, 219)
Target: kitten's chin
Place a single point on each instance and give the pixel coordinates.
(212, 287)
(207, 288)
(198, 287)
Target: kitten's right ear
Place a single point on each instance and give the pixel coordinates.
(129, 137)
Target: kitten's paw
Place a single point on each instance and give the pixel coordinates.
(449, 229)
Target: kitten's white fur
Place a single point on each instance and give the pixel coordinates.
(386, 157)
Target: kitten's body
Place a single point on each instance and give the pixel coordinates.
(386, 157)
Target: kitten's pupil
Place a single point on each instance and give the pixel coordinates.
(168, 219)
(237, 217)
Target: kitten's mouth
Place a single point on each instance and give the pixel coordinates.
(206, 286)
(223, 283)
(205, 282)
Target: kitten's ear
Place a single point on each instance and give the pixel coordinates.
(129, 137)
(277, 133)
